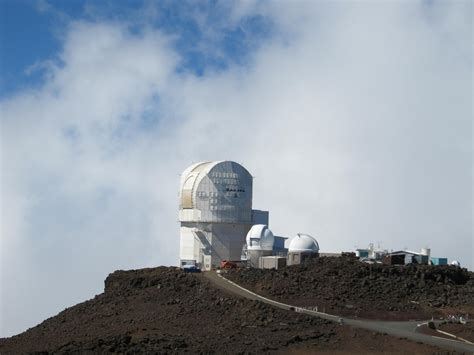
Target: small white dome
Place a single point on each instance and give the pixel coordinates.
(456, 263)
(303, 243)
(260, 237)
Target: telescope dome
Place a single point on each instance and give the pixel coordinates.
(303, 243)
(260, 237)
(217, 191)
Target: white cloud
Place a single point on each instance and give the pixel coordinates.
(355, 120)
(78, 172)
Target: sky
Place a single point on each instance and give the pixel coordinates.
(355, 119)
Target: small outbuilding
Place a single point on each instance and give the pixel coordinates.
(394, 259)
(272, 262)
(439, 261)
(404, 257)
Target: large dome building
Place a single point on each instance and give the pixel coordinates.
(215, 212)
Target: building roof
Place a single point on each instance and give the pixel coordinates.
(226, 172)
(403, 252)
(303, 243)
(260, 237)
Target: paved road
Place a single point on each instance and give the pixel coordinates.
(398, 329)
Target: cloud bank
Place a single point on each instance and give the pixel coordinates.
(355, 120)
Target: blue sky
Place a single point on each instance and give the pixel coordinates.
(32, 33)
(26, 38)
(354, 117)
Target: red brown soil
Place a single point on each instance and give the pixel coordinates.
(163, 310)
(351, 288)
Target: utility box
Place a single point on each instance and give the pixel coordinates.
(206, 262)
(271, 262)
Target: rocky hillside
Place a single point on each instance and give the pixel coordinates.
(349, 287)
(163, 310)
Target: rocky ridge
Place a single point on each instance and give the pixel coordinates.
(349, 287)
(164, 310)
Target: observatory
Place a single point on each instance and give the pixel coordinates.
(302, 247)
(259, 242)
(215, 212)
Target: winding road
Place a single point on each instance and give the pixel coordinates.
(398, 329)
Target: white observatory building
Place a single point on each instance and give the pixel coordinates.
(259, 242)
(215, 213)
(302, 247)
